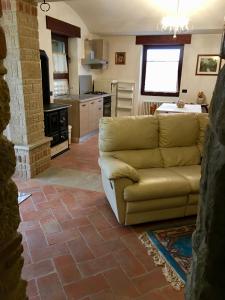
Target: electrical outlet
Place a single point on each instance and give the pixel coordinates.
(184, 91)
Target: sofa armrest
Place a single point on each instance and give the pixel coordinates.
(114, 168)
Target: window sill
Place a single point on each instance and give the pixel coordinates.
(143, 93)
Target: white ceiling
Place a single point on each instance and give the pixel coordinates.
(144, 16)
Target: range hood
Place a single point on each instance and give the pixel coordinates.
(96, 53)
(94, 61)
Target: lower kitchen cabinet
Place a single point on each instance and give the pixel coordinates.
(95, 112)
(84, 116)
(89, 114)
(99, 112)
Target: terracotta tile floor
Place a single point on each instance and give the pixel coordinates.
(75, 249)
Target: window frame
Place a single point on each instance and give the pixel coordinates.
(144, 60)
(64, 39)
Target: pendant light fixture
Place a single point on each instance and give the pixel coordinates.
(175, 23)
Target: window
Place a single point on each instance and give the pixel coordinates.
(161, 70)
(60, 64)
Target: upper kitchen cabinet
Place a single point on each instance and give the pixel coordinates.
(96, 53)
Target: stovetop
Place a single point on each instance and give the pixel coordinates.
(97, 93)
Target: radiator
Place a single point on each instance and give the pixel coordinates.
(148, 108)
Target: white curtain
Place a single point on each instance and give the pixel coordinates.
(61, 87)
(60, 63)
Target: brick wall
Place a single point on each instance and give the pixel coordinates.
(31, 162)
(24, 79)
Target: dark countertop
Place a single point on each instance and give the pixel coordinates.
(101, 95)
(53, 107)
(80, 98)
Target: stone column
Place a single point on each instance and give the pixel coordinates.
(26, 127)
(207, 280)
(12, 287)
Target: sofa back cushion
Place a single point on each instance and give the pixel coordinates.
(167, 140)
(178, 130)
(203, 123)
(180, 156)
(178, 139)
(140, 159)
(128, 133)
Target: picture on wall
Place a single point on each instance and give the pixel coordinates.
(120, 58)
(208, 64)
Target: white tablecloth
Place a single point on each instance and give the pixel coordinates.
(172, 107)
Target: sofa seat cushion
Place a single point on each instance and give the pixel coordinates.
(157, 183)
(156, 204)
(192, 174)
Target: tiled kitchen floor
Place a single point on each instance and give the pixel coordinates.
(73, 246)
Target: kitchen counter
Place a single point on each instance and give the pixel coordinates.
(79, 98)
(52, 107)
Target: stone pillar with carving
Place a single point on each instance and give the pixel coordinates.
(12, 287)
(26, 126)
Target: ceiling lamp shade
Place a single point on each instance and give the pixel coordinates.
(175, 23)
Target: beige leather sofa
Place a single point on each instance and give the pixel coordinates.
(150, 165)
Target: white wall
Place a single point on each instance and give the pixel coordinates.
(128, 72)
(130, 69)
(61, 11)
(201, 44)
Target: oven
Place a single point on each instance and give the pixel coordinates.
(56, 123)
(107, 106)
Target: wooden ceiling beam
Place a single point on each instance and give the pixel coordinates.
(163, 39)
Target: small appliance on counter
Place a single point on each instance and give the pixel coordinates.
(86, 86)
(55, 115)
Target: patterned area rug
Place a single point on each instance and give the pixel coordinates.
(171, 249)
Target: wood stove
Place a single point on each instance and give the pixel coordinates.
(55, 115)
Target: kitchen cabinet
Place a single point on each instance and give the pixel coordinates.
(92, 115)
(84, 115)
(84, 118)
(95, 113)
(99, 111)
